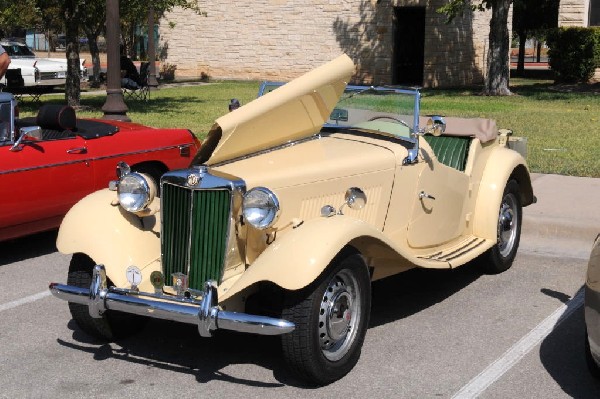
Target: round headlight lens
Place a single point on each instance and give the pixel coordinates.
(134, 192)
(260, 207)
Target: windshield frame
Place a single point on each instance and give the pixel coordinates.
(268, 86)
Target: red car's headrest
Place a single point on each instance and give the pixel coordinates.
(56, 117)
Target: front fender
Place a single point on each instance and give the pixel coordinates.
(502, 165)
(98, 227)
(298, 258)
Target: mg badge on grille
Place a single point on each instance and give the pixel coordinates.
(193, 180)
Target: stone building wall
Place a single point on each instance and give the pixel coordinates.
(573, 12)
(281, 39)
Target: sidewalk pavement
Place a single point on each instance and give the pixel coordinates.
(566, 218)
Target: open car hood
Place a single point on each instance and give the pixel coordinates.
(295, 110)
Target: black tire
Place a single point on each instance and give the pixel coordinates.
(320, 351)
(592, 365)
(112, 325)
(500, 257)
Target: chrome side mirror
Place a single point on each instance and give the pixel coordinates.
(122, 169)
(355, 198)
(32, 133)
(436, 125)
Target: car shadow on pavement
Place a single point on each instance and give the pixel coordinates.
(408, 293)
(178, 348)
(563, 355)
(32, 246)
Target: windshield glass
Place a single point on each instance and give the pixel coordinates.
(18, 50)
(381, 109)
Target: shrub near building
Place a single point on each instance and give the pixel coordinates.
(574, 53)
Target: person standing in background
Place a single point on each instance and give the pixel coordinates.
(4, 62)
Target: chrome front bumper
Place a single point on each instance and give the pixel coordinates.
(204, 313)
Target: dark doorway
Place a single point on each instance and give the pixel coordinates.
(409, 45)
(594, 13)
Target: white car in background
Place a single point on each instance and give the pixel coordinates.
(40, 73)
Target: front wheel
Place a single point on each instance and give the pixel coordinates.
(111, 325)
(500, 257)
(331, 318)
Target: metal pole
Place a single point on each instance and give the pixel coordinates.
(114, 108)
(152, 82)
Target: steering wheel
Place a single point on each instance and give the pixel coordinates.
(387, 117)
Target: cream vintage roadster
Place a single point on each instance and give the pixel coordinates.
(294, 204)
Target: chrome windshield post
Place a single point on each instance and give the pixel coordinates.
(413, 153)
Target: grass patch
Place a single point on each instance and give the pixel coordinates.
(562, 128)
(190, 107)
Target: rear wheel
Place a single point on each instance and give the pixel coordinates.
(331, 318)
(500, 257)
(111, 325)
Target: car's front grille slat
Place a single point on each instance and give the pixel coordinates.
(195, 233)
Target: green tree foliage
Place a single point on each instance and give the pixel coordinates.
(75, 17)
(18, 13)
(532, 18)
(574, 53)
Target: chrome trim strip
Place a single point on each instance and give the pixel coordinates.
(89, 160)
(268, 150)
(205, 314)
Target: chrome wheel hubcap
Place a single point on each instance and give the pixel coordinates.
(507, 224)
(339, 315)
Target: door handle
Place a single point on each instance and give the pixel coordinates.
(423, 194)
(78, 150)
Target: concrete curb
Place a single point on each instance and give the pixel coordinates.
(566, 218)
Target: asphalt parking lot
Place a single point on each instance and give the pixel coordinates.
(433, 334)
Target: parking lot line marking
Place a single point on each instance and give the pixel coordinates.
(23, 301)
(513, 355)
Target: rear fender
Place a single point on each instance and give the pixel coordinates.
(98, 227)
(502, 165)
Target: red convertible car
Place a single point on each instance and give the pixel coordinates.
(51, 161)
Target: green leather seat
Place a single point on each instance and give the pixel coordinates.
(452, 151)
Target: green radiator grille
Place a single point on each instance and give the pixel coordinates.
(194, 233)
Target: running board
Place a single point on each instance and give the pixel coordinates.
(464, 247)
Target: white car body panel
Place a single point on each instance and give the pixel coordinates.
(50, 71)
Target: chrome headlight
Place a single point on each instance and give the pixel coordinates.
(260, 207)
(135, 192)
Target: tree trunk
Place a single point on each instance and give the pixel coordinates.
(95, 53)
(73, 84)
(539, 51)
(498, 67)
(521, 62)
